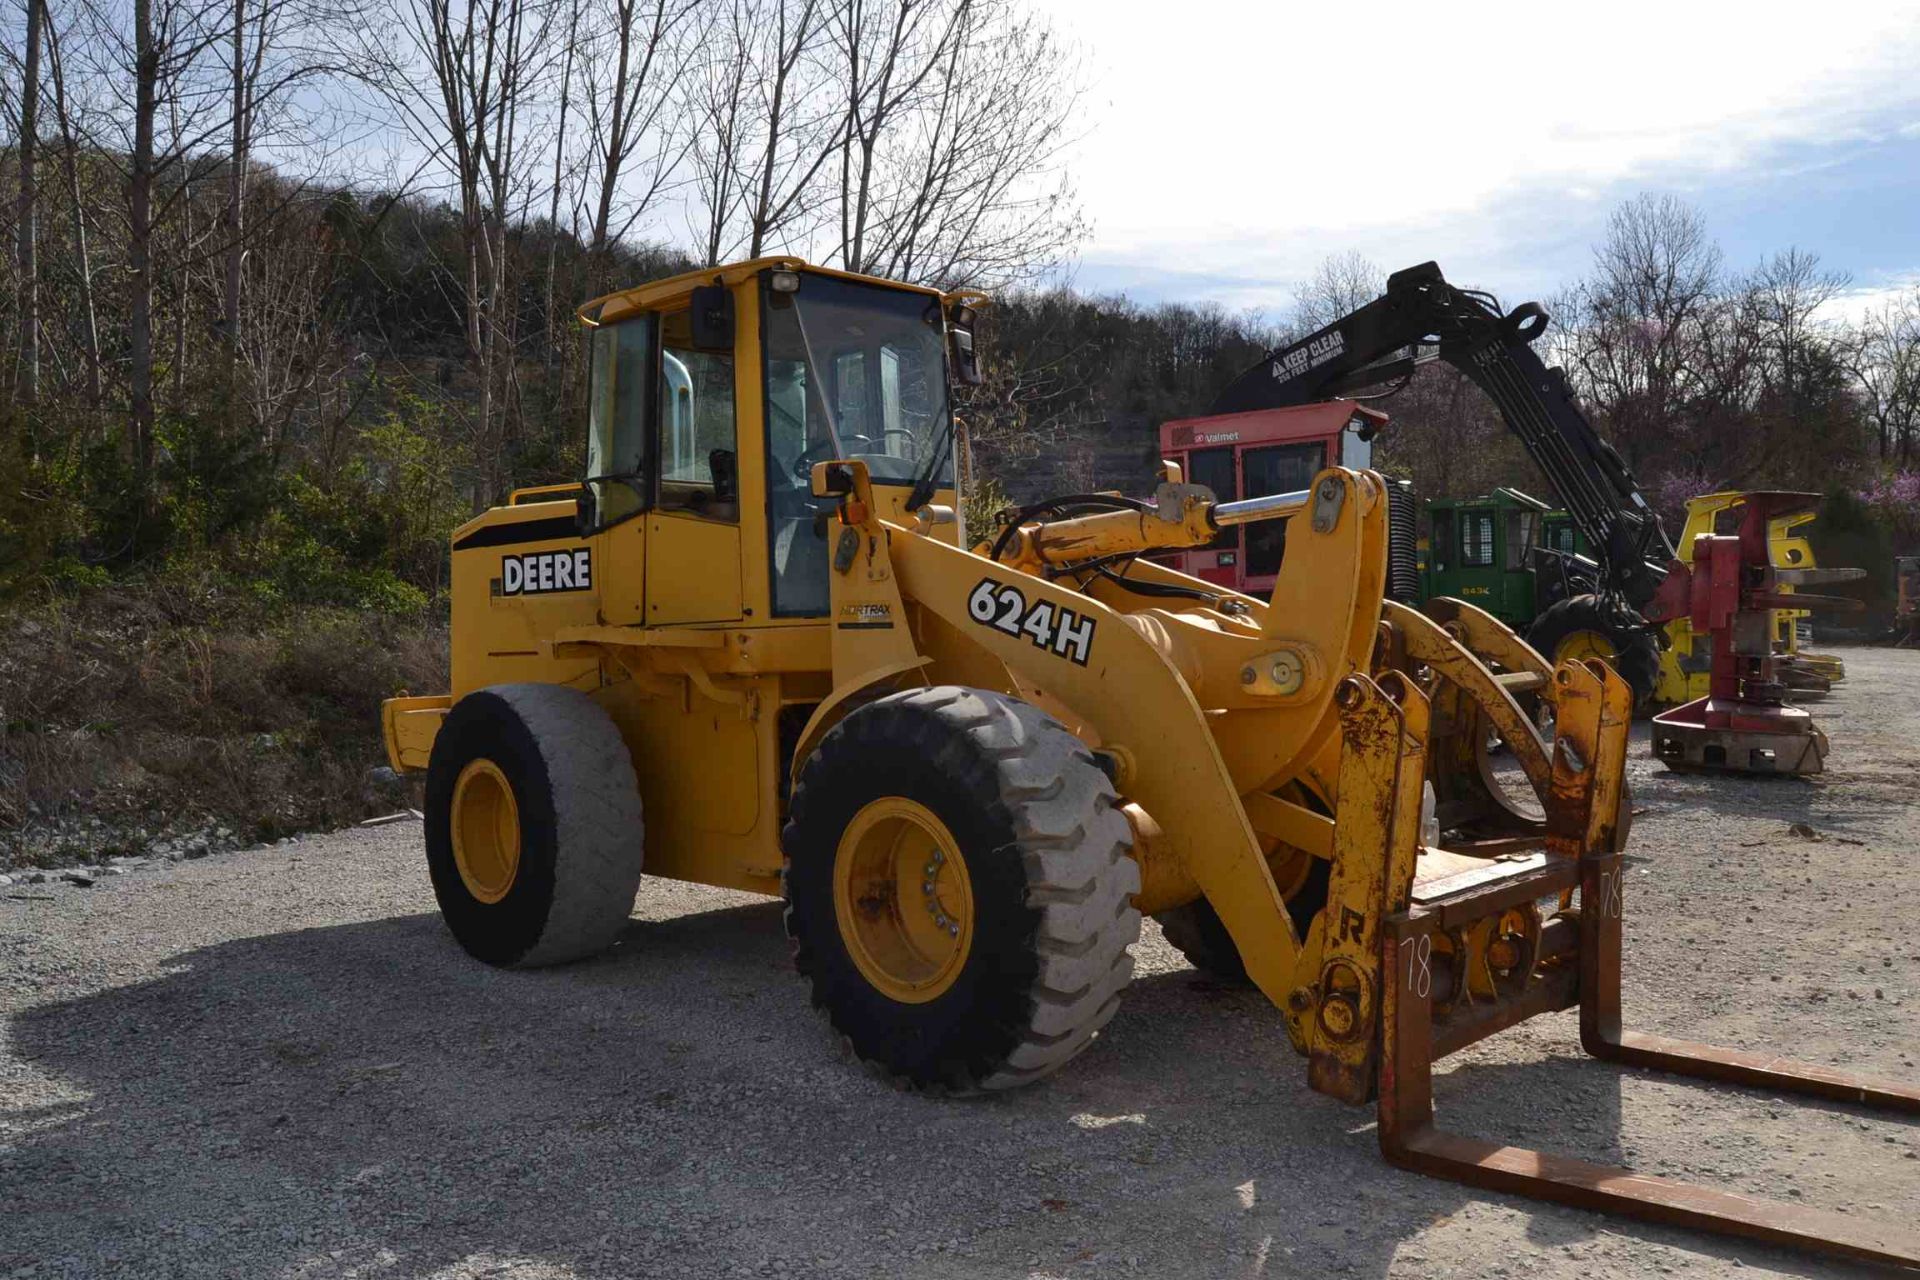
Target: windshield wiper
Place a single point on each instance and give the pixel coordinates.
(815, 386)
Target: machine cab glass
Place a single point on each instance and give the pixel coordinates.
(853, 370)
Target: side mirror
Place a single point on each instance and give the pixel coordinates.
(585, 512)
(966, 366)
(711, 318)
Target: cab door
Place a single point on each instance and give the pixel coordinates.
(693, 531)
(619, 483)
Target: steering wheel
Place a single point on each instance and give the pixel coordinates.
(802, 467)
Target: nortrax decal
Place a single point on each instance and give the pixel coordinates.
(542, 572)
(1057, 630)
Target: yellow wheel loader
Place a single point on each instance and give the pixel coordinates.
(750, 650)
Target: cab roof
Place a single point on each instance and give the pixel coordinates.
(645, 297)
(1501, 497)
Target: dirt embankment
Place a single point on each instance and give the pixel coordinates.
(132, 723)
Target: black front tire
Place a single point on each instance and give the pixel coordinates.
(580, 830)
(1636, 656)
(1047, 855)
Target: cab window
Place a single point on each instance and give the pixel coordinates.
(697, 471)
(851, 370)
(1280, 468)
(1476, 539)
(1214, 469)
(620, 392)
(1520, 526)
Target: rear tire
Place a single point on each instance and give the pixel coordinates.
(1035, 880)
(1196, 931)
(1575, 623)
(533, 825)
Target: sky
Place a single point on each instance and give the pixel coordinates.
(1231, 145)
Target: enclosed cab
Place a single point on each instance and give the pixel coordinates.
(1273, 451)
(1481, 550)
(694, 543)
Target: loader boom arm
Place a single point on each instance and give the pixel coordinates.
(1381, 341)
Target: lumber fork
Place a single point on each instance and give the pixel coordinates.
(1428, 1011)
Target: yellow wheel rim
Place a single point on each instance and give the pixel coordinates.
(1581, 645)
(486, 831)
(902, 900)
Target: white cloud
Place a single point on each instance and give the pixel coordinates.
(1861, 299)
(1250, 138)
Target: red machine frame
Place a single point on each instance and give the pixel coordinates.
(1334, 425)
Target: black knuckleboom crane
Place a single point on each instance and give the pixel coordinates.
(1422, 317)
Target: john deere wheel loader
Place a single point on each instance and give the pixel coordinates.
(750, 650)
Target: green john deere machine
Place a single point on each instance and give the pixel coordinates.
(1481, 550)
(1526, 564)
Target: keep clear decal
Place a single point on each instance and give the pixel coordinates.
(1004, 607)
(539, 573)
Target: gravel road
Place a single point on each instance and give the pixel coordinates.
(277, 1063)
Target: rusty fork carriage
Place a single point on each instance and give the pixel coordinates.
(1571, 957)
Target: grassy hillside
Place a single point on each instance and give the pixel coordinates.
(138, 715)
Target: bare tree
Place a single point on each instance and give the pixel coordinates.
(466, 85)
(888, 53)
(571, 48)
(89, 319)
(965, 186)
(1887, 365)
(766, 123)
(1342, 283)
(716, 110)
(27, 376)
(1639, 323)
(630, 67)
(160, 50)
(1789, 291)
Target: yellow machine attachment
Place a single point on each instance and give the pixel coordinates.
(754, 654)
(1686, 662)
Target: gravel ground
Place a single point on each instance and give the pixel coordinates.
(277, 1063)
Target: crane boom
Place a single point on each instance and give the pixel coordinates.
(1382, 341)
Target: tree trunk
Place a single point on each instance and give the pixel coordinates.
(553, 210)
(140, 253)
(762, 209)
(236, 200)
(27, 387)
(615, 153)
(183, 283)
(90, 321)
